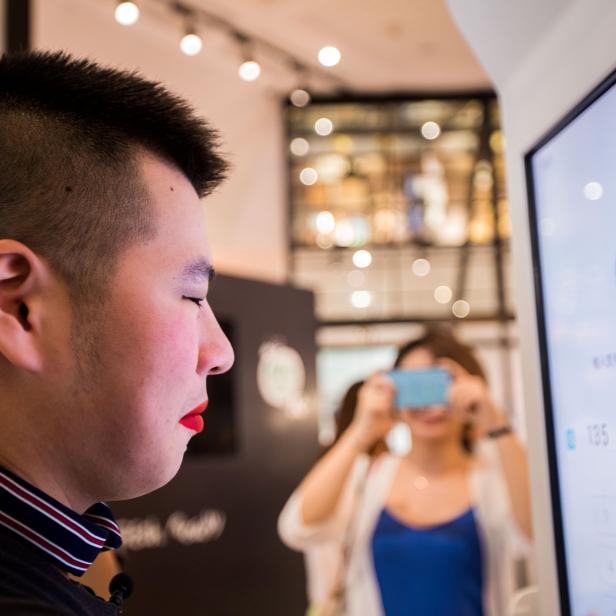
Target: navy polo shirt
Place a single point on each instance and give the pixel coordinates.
(41, 540)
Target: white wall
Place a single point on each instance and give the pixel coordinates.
(543, 58)
(247, 216)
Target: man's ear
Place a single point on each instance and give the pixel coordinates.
(22, 281)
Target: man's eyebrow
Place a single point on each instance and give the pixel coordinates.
(198, 271)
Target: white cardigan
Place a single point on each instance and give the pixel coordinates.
(502, 542)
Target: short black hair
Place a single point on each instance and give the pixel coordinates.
(71, 133)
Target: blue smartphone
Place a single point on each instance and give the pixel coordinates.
(420, 388)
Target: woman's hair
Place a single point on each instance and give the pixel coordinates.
(346, 411)
(442, 343)
(344, 417)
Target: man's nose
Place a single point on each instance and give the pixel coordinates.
(215, 352)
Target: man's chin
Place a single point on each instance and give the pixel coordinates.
(149, 483)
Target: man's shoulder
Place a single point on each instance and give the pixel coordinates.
(24, 606)
(30, 584)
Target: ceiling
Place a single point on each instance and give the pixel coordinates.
(530, 20)
(392, 45)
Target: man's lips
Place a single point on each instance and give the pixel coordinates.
(193, 420)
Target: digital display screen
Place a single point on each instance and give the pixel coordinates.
(572, 199)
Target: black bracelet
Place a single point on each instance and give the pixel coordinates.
(498, 432)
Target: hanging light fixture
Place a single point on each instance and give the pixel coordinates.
(191, 43)
(193, 14)
(127, 13)
(329, 56)
(300, 97)
(249, 69)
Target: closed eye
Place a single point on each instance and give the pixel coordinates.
(196, 300)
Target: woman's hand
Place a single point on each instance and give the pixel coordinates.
(469, 396)
(374, 414)
(322, 488)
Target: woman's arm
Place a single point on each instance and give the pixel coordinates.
(515, 468)
(321, 489)
(470, 395)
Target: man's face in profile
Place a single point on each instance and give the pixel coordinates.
(145, 363)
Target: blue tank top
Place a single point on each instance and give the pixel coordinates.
(429, 572)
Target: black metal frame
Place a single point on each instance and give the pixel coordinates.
(502, 315)
(17, 25)
(485, 97)
(557, 517)
(393, 320)
(396, 97)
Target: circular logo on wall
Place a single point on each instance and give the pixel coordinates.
(281, 377)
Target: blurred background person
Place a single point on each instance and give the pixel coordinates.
(436, 531)
(324, 562)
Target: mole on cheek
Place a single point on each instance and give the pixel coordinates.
(171, 188)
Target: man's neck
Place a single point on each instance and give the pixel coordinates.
(42, 479)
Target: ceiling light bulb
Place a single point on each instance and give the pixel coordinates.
(299, 146)
(127, 13)
(430, 130)
(443, 294)
(362, 258)
(461, 308)
(249, 70)
(326, 222)
(421, 267)
(345, 234)
(323, 127)
(191, 44)
(300, 98)
(329, 56)
(361, 299)
(308, 176)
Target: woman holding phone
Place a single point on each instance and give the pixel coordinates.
(435, 532)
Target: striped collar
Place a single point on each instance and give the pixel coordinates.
(70, 540)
